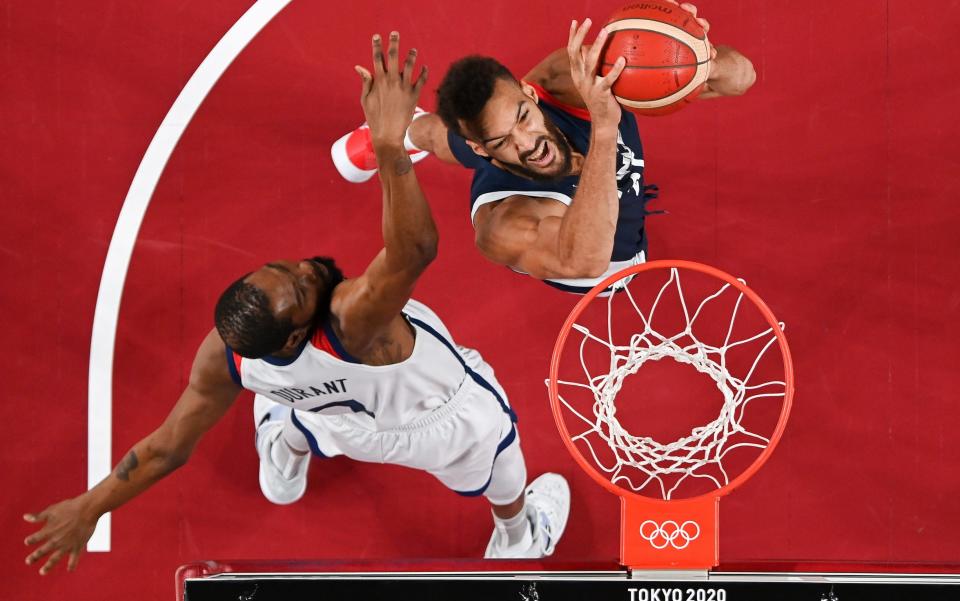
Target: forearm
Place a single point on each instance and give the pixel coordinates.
(140, 468)
(429, 133)
(409, 232)
(553, 74)
(731, 74)
(586, 231)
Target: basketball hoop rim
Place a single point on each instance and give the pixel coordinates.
(669, 264)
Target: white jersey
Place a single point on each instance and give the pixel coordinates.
(323, 378)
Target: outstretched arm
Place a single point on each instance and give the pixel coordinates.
(366, 305)
(68, 525)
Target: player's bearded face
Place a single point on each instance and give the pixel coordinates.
(548, 159)
(547, 156)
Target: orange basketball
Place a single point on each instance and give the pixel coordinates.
(667, 56)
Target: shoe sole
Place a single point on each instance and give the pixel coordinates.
(263, 479)
(276, 500)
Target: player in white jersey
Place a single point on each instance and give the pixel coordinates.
(344, 366)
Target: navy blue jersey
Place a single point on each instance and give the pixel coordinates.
(492, 184)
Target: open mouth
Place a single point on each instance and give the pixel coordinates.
(541, 157)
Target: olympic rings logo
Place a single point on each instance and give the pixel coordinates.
(669, 533)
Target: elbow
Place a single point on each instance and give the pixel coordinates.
(595, 269)
(428, 246)
(587, 267)
(745, 78)
(413, 254)
(749, 78)
(431, 249)
(168, 460)
(168, 463)
(732, 73)
(175, 461)
(426, 252)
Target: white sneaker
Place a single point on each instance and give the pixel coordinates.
(547, 506)
(283, 473)
(353, 154)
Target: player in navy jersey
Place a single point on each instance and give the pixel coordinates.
(558, 189)
(351, 367)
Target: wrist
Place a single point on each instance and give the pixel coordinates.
(603, 129)
(393, 159)
(88, 507)
(388, 148)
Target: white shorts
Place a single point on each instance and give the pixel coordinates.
(470, 444)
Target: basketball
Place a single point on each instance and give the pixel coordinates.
(667, 56)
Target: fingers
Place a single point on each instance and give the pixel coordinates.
(53, 561)
(408, 64)
(39, 535)
(575, 41)
(692, 9)
(606, 82)
(593, 56)
(43, 550)
(36, 517)
(392, 50)
(377, 45)
(389, 64)
(421, 80)
(36, 537)
(366, 80)
(73, 561)
(571, 35)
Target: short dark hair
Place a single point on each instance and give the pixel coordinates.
(246, 322)
(465, 90)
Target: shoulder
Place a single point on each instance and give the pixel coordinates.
(210, 365)
(353, 302)
(211, 352)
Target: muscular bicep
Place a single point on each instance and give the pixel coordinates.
(519, 236)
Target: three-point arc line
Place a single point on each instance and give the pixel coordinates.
(103, 337)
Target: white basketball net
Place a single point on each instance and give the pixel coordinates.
(701, 453)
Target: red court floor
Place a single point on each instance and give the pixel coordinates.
(831, 187)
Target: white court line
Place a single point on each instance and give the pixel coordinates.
(100, 375)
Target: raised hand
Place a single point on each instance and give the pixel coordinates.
(595, 90)
(692, 9)
(66, 529)
(389, 95)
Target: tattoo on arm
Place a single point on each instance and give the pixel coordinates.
(127, 465)
(402, 165)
